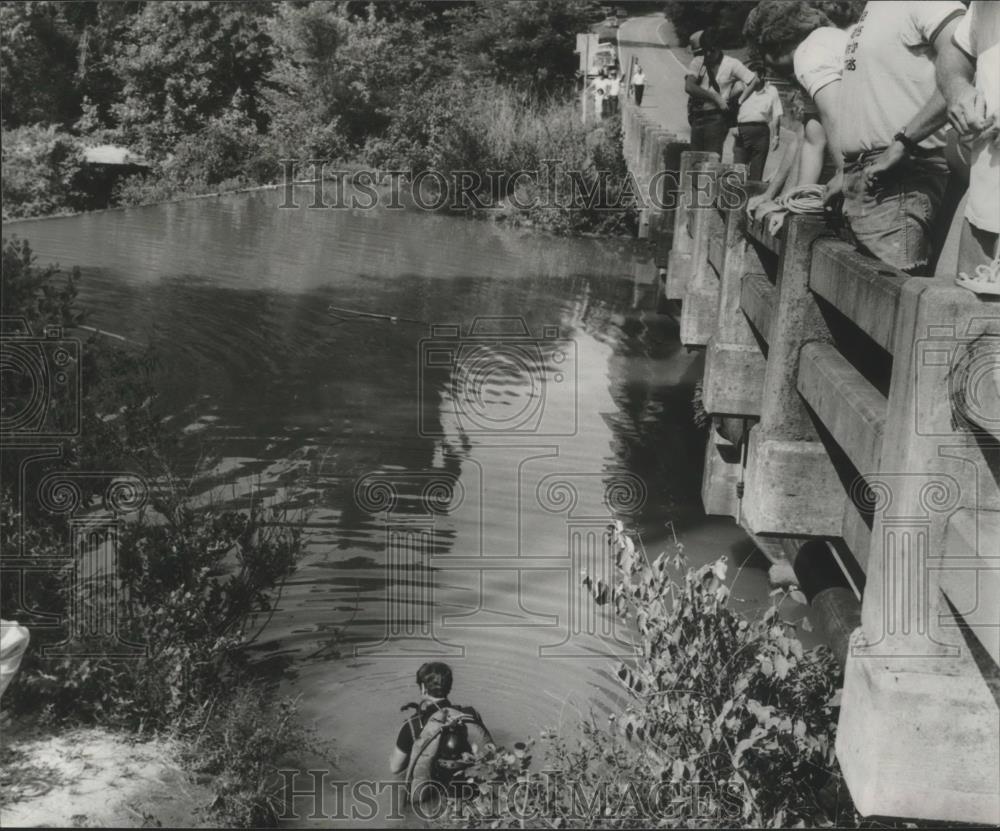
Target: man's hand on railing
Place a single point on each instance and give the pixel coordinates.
(761, 205)
(775, 221)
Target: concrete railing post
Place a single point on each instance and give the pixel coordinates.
(734, 362)
(792, 487)
(679, 263)
(919, 731)
(700, 312)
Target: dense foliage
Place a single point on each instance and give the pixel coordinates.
(214, 95)
(192, 583)
(730, 722)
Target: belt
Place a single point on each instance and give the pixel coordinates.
(867, 155)
(752, 124)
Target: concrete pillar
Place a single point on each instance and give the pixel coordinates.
(700, 311)
(919, 731)
(791, 486)
(721, 475)
(669, 192)
(734, 363)
(679, 261)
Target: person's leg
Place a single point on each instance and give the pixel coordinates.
(639, 89)
(698, 137)
(741, 153)
(759, 142)
(716, 131)
(976, 247)
(894, 220)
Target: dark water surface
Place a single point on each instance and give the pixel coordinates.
(455, 483)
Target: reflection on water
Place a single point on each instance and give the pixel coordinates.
(456, 474)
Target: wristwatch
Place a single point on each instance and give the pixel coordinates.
(911, 146)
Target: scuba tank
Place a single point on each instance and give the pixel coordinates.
(443, 749)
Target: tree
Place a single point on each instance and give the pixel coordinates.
(529, 43)
(37, 65)
(182, 64)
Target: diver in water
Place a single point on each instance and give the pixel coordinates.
(439, 740)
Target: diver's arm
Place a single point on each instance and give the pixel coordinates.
(398, 761)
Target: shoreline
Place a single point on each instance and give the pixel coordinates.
(94, 777)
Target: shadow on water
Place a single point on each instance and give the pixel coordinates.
(454, 484)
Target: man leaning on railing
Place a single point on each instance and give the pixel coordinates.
(892, 130)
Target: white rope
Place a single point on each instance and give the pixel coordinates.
(804, 199)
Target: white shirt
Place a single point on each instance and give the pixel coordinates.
(614, 86)
(728, 73)
(762, 104)
(638, 78)
(819, 60)
(889, 70)
(978, 35)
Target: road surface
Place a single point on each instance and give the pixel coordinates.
(654, 43)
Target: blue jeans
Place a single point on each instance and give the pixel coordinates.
(708, 132)
(895, 220)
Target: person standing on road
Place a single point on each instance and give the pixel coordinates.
(758, 126)
(638, 84)
(713, 95)
(614, 90)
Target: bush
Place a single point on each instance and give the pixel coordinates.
(494, 128)
(192, 585)
(43, 172)
(730, 719)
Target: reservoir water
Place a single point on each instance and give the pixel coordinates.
(453, 470)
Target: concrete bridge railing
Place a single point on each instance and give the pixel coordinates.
(854, 404)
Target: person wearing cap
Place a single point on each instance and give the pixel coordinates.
(713, 83)
(758, 125)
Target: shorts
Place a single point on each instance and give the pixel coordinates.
(894, 221)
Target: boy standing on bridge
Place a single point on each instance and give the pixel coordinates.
(758, 126)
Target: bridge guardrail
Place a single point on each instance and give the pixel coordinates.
(874, 400)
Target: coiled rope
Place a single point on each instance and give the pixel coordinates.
(804, 199)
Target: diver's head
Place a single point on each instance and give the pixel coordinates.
(434, 679)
